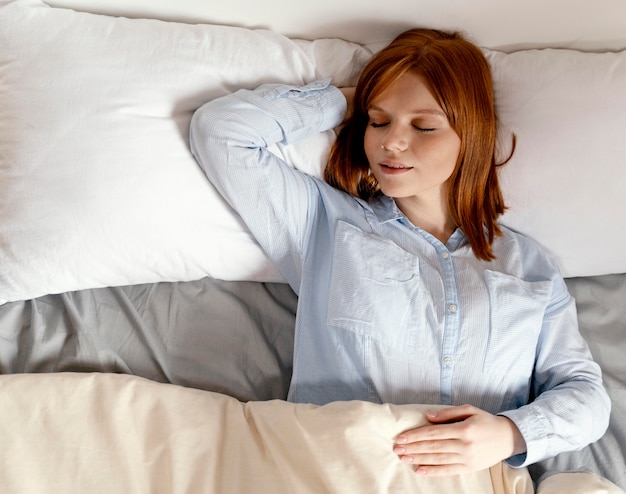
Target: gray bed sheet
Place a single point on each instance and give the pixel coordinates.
(232, 337)
(237, 338)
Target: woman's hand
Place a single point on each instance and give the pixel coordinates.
(461, 439)
(348, 93)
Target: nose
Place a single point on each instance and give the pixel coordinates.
(395, 139)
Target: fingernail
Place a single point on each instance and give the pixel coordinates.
(406, 459)
(399, 451)
(432, 415)
(420, 471)
(402, 440)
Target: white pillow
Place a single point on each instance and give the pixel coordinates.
(98, 187)
(566, 182)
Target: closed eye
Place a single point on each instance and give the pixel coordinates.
(377, 125)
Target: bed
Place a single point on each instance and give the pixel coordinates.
(146, 341)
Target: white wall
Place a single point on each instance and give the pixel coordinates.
(500, 24)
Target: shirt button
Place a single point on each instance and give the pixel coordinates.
(447, 361)
(445, 255)
(452, 307)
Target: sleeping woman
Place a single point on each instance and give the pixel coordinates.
(410, 291)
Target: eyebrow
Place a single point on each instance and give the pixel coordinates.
(422, 111)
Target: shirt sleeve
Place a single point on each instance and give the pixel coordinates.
(230, 137)
(571, 408)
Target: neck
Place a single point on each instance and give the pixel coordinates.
(435, 220)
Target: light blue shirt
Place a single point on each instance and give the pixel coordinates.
(387, 313)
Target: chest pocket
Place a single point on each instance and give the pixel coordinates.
(516, 310)
(374, 288)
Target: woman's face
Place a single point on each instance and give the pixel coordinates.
(409, 144)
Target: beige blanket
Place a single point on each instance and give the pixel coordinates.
(92, 433)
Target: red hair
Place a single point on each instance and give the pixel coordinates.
(460, 80)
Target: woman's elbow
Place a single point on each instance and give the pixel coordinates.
(206, 139)
(199, 130)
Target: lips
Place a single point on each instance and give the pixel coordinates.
(394, 168)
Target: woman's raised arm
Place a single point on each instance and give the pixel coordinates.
(230, 137)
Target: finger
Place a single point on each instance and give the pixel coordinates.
(429, 460)
(437, 432)
(430, 451)
(436, 464)
(432, 459)
(452, 414)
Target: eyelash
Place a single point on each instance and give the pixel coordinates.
(419, 129)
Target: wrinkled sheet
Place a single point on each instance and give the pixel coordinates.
(237, 338)
(232, 337)
(103, 433)
(79, 433)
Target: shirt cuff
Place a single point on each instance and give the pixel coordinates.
(530, 424)
(329, 101)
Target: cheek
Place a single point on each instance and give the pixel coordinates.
(447, 152)
(455, 151)
(370, 145)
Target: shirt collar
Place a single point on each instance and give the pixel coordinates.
(386, 210)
